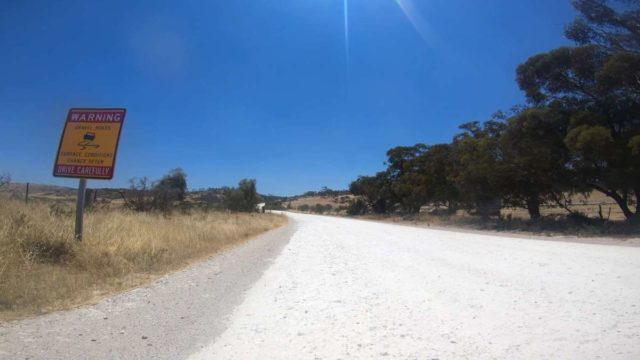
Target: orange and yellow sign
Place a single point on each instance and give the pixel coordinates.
(89, 143)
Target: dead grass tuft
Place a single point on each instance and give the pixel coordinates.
(43, 269)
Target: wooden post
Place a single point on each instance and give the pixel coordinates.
(26, 195)
(82, 186)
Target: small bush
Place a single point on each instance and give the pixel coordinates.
(60, 209)
(357, 207)
(242, 199)
(39, 242)
(43, 249)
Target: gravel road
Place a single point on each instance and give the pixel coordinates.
(347, 289)
(334, 288)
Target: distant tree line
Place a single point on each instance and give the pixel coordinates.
(578, 132)
(163, 195)
(324, 192)
(317, 208)
(170, 192)
(285, 202)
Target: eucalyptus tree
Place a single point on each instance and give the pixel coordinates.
(601, 92)
(535, 159)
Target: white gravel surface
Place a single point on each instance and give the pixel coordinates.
(347, 289)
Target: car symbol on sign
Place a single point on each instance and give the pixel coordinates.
(90, 136)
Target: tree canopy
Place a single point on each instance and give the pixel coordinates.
(244, 198)
(612, 25)
(578, 132)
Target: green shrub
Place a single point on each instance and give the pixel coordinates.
(357, 207)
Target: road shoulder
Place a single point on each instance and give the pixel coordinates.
(630, 241)
(166, 320)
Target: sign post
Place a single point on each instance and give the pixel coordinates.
(87, 150)
(82, 190)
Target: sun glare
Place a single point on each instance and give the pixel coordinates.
(417, 20)
(346, 33)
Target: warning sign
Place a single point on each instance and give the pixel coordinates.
(89, 143)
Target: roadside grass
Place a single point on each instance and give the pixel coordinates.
(43, 269)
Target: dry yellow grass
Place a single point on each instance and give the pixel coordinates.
(589, 205)
(43, 269)
(334, 201)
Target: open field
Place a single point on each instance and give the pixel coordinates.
(43, 269)
(555, 221)
(590, 205)
(335, 201)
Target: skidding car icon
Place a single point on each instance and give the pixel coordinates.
(88, 138)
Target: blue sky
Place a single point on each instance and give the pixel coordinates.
(260, 88)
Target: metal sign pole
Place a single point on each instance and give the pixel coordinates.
(82, 187)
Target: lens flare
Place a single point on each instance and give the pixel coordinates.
(418, 21)
(346, 33)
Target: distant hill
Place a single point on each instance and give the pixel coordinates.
(325, 201)
(54, 192)
(331, 200)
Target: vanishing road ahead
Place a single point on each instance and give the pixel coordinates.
(333, 288)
